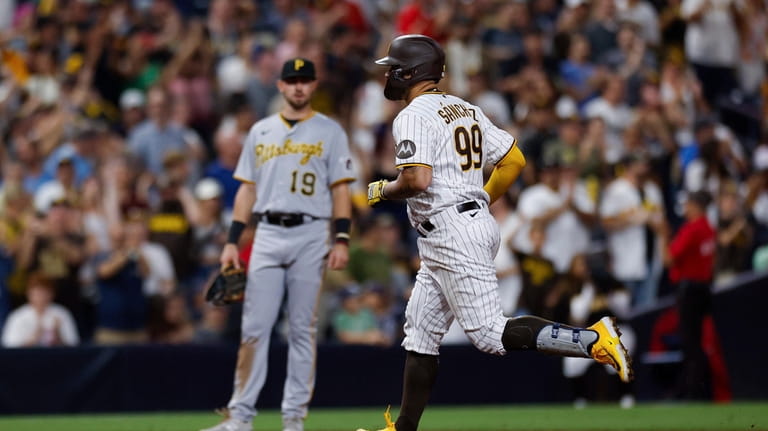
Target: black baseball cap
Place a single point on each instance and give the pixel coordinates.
(298, 68)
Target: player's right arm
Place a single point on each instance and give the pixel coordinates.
(246, 173)
(413, 156)
(241, 212)
(411, 181)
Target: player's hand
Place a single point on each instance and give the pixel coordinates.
(375, 191)
(230, 257)
(338, 257)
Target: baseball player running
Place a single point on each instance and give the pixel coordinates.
(442, 144)
(295, 170)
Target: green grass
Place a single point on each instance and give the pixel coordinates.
(661, 417)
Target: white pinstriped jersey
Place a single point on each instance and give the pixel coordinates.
(294, 167)
(456, 140)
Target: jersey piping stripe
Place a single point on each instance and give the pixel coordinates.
(287, 124)
(430, 92)
(243, 180)
(343, 180)
(405, 165)
(514, 144)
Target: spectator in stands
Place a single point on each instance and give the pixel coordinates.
(354, 323)
(492, 102)
(381, 302)
(463, 54)
(169, 321)
(735, 234)
(261, 88)
(188, 80)
(682, 98)
(428, 17)
(169, 223)
(53, 245)
(14, 215)
(629, 206)
(212, 326)
(503, 42)
(643, 14)
(227, 144)
(507, 269)
(547, 206)
(581, 77)
(712, 45)
(40, 322)
(126, 187)
(690, 256)
(672, 26)
(537, 272)
(757, 194)
(132, 104)
(612, 107)
(81, 152)
(602, 27)
(715, 161)
(122, 307)
(753, 28)
(209, 227)
(630, 60)
(153, 139)
(29, 156)
(372, 257)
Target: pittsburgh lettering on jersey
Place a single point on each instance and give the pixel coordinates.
(266, 152)
(455, 111)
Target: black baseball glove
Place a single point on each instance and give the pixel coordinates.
(228, 287)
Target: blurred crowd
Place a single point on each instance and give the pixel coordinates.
(121, 122)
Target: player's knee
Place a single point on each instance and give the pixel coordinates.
(484, 341)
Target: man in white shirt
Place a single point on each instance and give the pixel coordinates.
(642, 13)
(612, 107)
(40, 322)
(629, 205)
(712, 44)
(544, 203)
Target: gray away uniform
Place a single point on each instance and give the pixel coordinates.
(293, 169)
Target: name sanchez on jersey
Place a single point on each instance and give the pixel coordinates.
(265, 152)
(455, 111)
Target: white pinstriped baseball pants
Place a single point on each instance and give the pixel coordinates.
(457, 279)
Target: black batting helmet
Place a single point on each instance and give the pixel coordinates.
(411, 58)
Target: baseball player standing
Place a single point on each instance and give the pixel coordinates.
(295, 170)
(442, 144)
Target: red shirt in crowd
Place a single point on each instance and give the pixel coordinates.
(693, 252)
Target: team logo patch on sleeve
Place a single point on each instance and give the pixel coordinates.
(405, 149)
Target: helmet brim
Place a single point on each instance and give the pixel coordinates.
(388, 61)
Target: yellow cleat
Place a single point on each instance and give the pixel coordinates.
(388, 419)
(609, 350)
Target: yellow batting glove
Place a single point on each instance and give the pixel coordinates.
(375, 191)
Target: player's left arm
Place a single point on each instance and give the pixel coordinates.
(505, 173)
(341, 213)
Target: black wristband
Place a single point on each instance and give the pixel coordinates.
(235, 230)
(341, 226)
